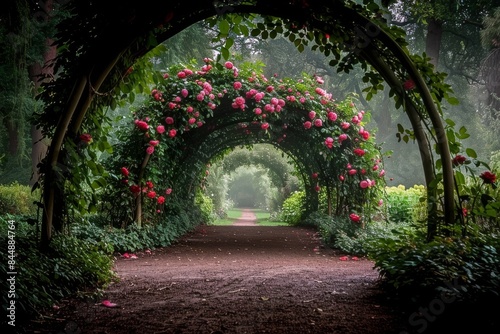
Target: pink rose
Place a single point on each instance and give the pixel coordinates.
(354, 217)
(142, 125)
(329, 142)
(124, 171)
(332, 116)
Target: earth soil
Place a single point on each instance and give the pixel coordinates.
(242, 278)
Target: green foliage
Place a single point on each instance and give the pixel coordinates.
(206, 207)
(466, 268)
(491, 30)
(267, 172)
(70, 266)
(293, 208)
(16, 199)
(406, 205)
(352, 238)
(478, 198)
(134, 238)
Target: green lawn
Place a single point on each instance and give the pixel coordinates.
(262, 218)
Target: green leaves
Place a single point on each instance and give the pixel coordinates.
(471, 153)
(404, 134)
(224, 28)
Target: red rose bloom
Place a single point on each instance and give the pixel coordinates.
(354, 217)
(86, 138)
(359, 152)
(124, 171)
(161, 200)
(488, 177)
(135, 189)
(409, 84)
(458, 160)
(142, 125)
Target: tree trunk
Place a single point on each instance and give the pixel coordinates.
(433, 41)
(40, 73)
(13, 134)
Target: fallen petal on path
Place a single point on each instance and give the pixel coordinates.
(107, 303)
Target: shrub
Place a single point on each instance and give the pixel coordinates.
(16, 199)
(406, 205)
(352, 238)
(70, 266)
(206, 206)
(467, 268)
(294, 208)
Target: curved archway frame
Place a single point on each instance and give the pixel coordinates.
(130, 29)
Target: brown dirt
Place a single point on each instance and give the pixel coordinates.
(236, 279)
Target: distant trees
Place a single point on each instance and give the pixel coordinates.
(26, 51)
(459, 37)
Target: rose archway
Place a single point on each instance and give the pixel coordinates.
(113, 36)
(197, 113)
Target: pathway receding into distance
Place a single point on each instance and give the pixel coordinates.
(247, 218)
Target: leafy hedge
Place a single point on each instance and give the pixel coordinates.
(293, 208)
(81, 261)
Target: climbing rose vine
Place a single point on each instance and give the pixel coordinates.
(223, 97)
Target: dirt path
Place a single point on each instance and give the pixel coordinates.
(247, 218)
(236, 279)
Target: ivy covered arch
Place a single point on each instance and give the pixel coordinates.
(112, 36)
(279, 167)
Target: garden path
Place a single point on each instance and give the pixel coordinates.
(247, 218)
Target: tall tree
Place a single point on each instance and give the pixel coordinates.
(450, 33)
(490, 36)
(24, 27)
(39, 72)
